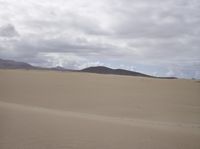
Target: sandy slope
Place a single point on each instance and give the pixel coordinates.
(46, 109)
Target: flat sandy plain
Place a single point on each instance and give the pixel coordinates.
(70, 110)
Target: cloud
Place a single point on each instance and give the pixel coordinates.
(8, 31)
(155, 37)
(156, 19)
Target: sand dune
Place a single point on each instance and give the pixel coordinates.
(46, 109)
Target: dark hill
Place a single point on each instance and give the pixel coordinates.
(106, 70)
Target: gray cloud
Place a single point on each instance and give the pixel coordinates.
(157, 19)
(8, 31)
(156, 37)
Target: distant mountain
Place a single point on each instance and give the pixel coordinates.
(58, 68)
(106, 70)
(10, 64)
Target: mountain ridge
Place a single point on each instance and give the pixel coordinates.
(11, 64)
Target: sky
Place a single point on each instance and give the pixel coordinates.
(160, 38)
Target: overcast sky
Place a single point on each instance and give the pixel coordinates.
(151, 36)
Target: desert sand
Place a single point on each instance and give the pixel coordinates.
(71, 110)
